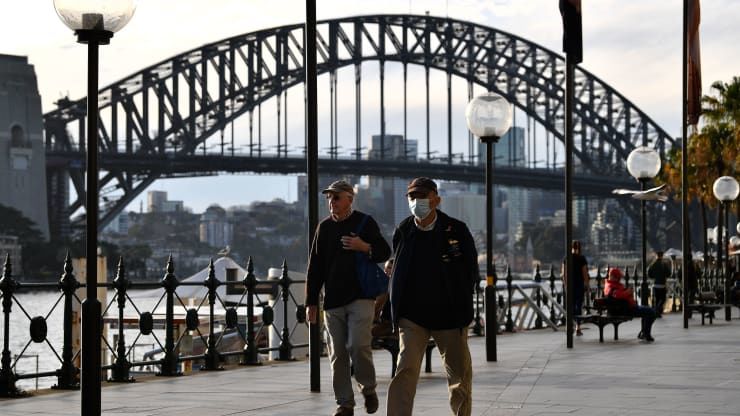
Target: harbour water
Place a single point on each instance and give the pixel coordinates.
(46, 356)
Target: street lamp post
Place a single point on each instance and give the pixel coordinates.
(725, 189)
(94, 23)
(643, 164)
(489, 116)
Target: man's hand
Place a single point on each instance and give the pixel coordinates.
(355, 243)
(312, 314)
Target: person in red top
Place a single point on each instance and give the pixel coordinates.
(615, 289)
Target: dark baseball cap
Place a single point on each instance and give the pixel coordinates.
(339, 186)
(422, 185)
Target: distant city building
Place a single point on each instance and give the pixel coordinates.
(157, 202)
(9, 245)
(215, 229)
(467, 207)
(612, 231)
(120, 224)
(22, 152)
(509, 151)
(391, 191)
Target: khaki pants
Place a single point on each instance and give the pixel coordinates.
(453, 347)
(349, 337)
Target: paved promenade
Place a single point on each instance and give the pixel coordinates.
(685, 372)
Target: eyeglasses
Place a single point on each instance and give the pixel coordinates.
(330, 197)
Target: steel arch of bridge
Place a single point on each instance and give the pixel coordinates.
(188, 98)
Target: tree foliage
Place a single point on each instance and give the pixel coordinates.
(713, 151)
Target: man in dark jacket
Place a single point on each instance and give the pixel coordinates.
(435, 271)
(659, 271)
(348, 313)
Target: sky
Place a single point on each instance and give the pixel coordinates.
(633, 45)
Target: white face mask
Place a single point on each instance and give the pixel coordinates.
(420, 208)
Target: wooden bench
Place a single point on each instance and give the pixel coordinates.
(603, 317)
(706, 304)
(390, 344)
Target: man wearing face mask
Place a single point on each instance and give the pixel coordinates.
(348, 314)
(436, 269)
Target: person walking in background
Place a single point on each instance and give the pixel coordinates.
(431, 293)
(579, 269)
(616, 290)
(348, 314)
(659, 271)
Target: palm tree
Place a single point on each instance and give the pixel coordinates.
(713, 152)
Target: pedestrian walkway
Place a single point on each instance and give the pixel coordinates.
(685, 372)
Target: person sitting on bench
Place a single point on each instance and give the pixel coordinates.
(615, 289)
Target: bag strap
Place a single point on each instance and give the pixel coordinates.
(362, 224)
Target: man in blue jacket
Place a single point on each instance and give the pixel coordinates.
(436, 268)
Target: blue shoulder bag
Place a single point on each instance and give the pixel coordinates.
(373, 281)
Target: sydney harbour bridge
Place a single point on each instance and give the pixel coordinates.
(166, 120)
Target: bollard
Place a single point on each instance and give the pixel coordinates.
(250, 350)
(491, 329)
(538, 296)
(170, 360)
(7, 377)
(285, 348)
(509, 321)
(121, 367)
(212, 357)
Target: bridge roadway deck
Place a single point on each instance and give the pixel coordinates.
(685, 372)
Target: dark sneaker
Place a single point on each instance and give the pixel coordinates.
(344, 411)
(371, 403)
(648, 338)
(640, 335)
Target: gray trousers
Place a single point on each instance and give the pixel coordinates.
(349, 337)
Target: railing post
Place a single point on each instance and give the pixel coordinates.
(636, 285)
(538, 296)
(286, 348)
(250, 350)
(509, 321)
(552, 293)
(477, 327)
(170, 360)
(674, 278)
(67, 375)
(7, 378)
(600, 280)
(212, 357)
(120, 371)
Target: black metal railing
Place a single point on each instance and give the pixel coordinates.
(537, 300)
(145, 323)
